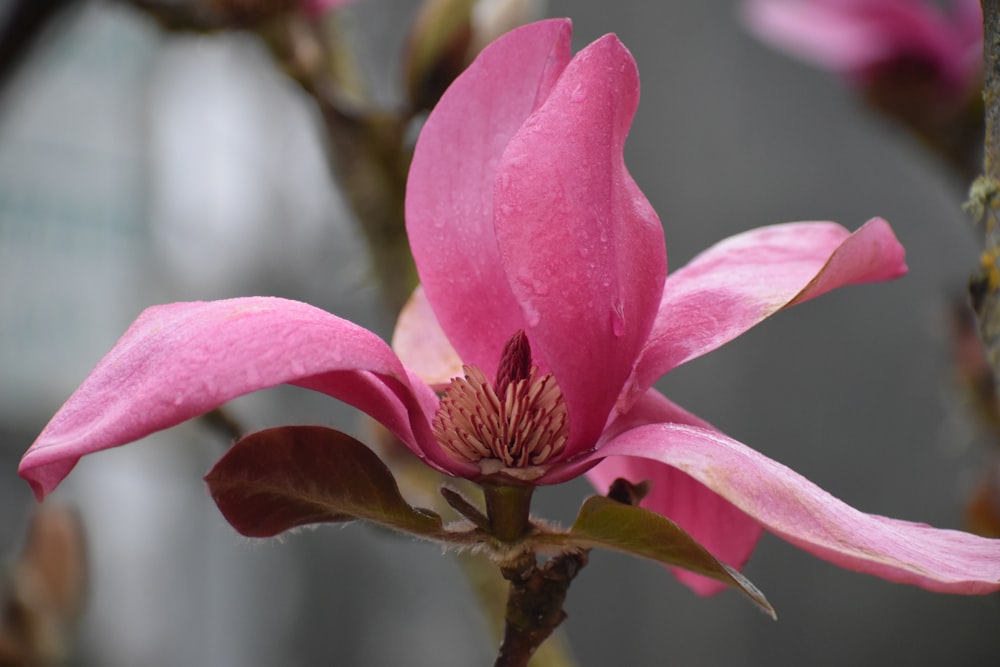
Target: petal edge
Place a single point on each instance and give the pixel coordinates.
(798, 511)
(743, 280)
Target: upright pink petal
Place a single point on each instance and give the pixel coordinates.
(747, 278)
(795, 509)
(714, 522)
(449, 195)
(582, 247)
(182, 360)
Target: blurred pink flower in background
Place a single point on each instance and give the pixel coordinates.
(860, 39)
(545, 316)
(319, 7)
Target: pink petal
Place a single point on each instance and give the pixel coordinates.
(449, 195)
(184, 359)
(747, 278)
(715, 523)
(582, 247)
(793, 508)
(422, 345)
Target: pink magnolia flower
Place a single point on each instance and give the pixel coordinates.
(320, 7)
(544, 277)
(862, 39)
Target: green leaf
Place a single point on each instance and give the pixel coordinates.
(606, 523)
(281, 478)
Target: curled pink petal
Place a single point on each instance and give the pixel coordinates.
(746, 278)
(582, 247)
(714, 522)
(184, 359)
(795, 509)
(449, 194)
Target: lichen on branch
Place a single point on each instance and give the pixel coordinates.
(984, 285)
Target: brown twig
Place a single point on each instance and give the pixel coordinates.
(984, 202)
(225, 424)
(535, 605)
(23, 23)
(369, 154)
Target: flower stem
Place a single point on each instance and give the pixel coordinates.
(534, 605)
(536, 593)
(508, 507)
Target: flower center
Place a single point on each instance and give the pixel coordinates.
(513, 425)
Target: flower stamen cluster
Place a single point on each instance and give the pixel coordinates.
(514, 425)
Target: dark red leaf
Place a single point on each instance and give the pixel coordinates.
(281, 478)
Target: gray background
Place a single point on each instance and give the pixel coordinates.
(138, 168)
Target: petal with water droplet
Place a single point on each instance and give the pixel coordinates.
(589, 323)
(449, 194)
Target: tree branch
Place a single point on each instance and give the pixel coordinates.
(535, 605)
(984, 197)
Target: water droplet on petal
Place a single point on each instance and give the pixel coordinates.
(515, 161)
(618, 318)
(532, 315)
(578, 94)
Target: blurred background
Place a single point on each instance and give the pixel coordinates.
(140, 166)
